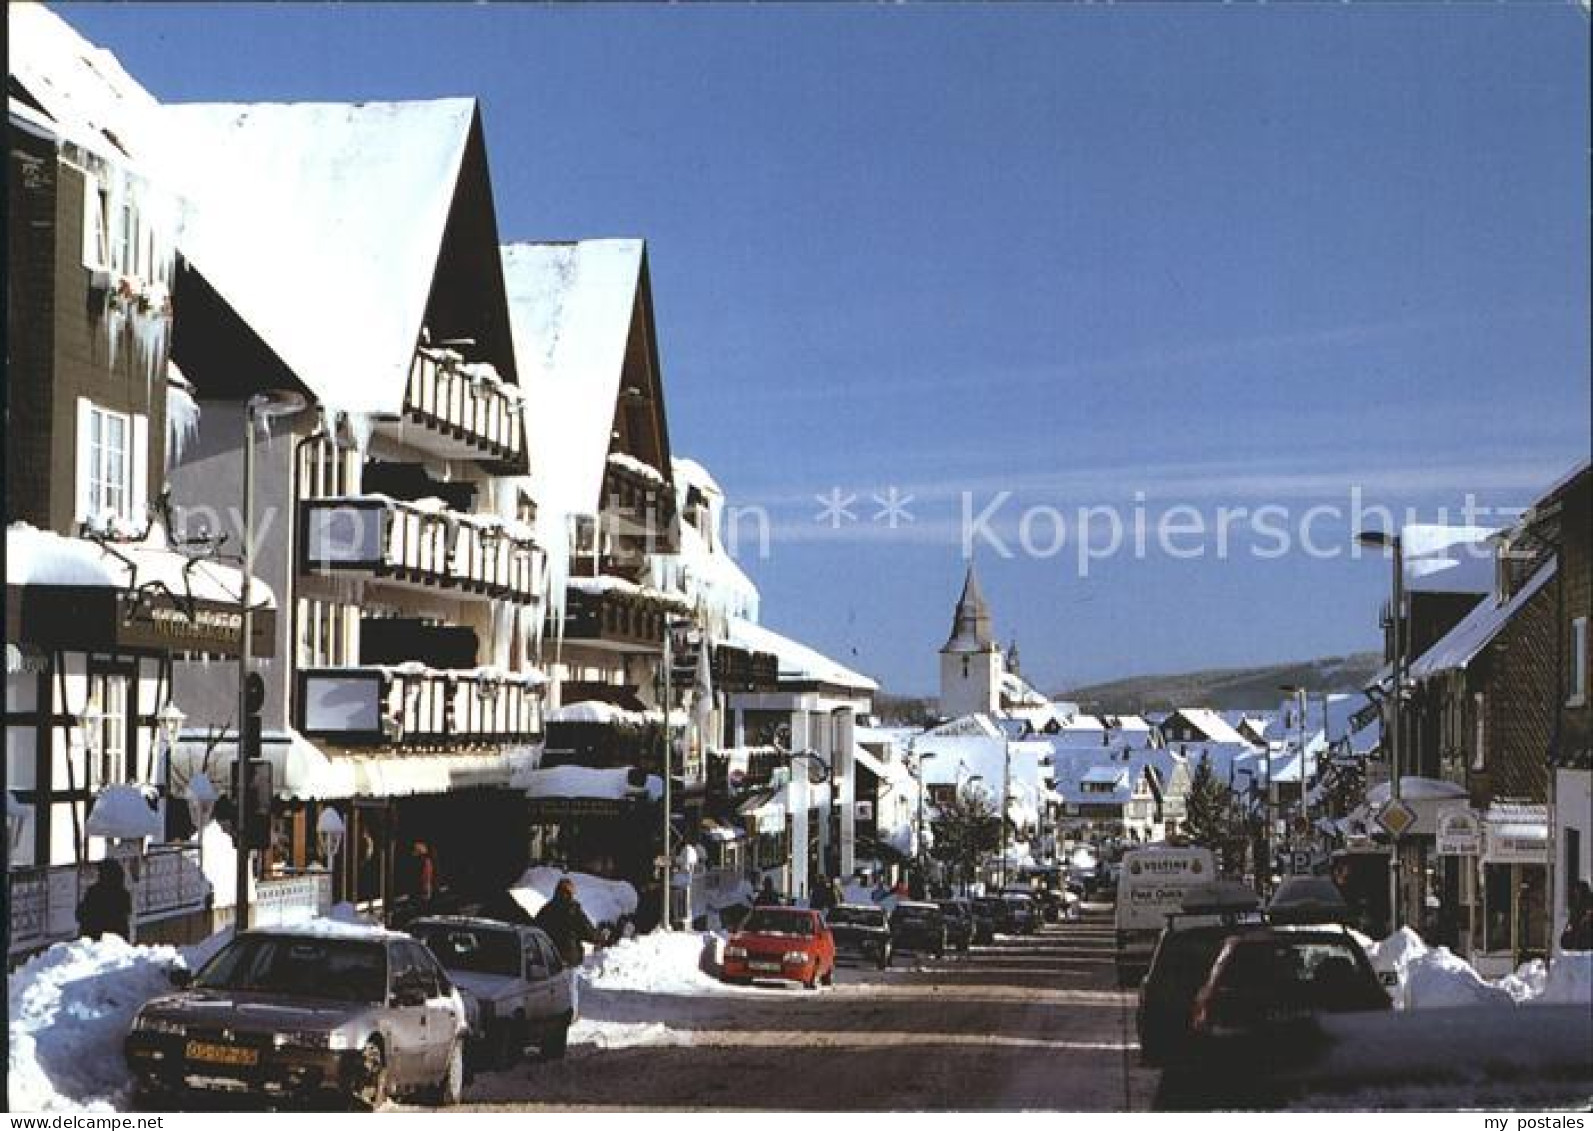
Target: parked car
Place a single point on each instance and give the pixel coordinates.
(359, 1014)
(959, 923)
(523, 992)
(861, 931)
(1260, 1009)
(989, 917)
(919, 927)
(1023, 917)
(788, 944)
(1308, 899)
(1178, 969)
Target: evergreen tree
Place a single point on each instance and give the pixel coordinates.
(1209, 820)
(966, 828)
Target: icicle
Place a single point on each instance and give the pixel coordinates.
(360, 427)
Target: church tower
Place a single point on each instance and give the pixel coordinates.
(970, 662)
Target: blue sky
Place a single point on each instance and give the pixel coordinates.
(1214, 256)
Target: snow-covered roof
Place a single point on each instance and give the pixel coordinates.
(93, 102)
(125, 812)
(1448, 559)
(1460, 645)
(1105, 775)
(321, 225)
(42, 557)
(570, 306)
(797, 662)
(966, 726)
(712, 582)
(1211, 724)
(603, 900)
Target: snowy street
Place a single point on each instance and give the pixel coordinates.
(1025, 1023)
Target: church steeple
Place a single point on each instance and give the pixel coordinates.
(970, 627)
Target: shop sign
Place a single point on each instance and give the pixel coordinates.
(1459, 833)
(1517, 844)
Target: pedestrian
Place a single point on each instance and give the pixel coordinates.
(566, 924)
(767, 896)
(1578, 933)
(822, 895)
(425, 872)
(106, 909)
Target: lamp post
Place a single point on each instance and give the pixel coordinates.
(1381, 539)
(169, 720)
(1300, 706)
(262, 407)
(917, 761)
(962, 791)
(329, 831)
(91, 729)
(1006, 803)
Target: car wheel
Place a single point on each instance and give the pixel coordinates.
(558, 1038)
(451, 1088)
(829, 976)
(371, 1092)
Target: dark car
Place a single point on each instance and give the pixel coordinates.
(1257, 1014)
(861, 932)
(1023, 916)
(989, 917)
(959, 923)
(355, 1015)
(918, 927)
(1308, 899)
(1179, 967)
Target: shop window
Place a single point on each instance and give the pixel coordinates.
(110, 691)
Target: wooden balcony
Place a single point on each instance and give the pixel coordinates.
(425, 546)
(464, 410)
(414, 706)
(621, 616)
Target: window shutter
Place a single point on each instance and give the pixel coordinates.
(138, 491)
(85, 469)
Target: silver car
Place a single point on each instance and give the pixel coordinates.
(522, 991)
(351, 1013)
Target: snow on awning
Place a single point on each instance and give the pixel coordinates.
(596, 712)
(611, 784)
(41, 557)
(124, 812)
(301, 771)
(1476, 630)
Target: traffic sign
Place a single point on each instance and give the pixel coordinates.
(1301, 861)
(1396, 818)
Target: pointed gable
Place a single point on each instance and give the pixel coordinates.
(584, 335)
(323, 227)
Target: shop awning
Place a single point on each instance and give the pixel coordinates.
(302, 771)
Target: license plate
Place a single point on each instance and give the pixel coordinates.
(768, 967)
(220, 1054)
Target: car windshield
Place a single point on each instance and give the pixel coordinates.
(764, 921)
(471, 949)
(856, 917)
(334, 969)
(1323, 973)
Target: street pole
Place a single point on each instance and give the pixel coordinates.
(240, 796)
(1302, 705)
(1396, 915)
(1006, 785)
(669, 871)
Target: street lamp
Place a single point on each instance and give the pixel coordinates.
(261, 409)
(1299, 695)
(1381, 539)
(329, 831)
(918, 776)
(169, 721)
(91, 730)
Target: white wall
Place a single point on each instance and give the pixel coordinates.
(1573, 809)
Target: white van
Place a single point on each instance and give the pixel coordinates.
(1151, 887)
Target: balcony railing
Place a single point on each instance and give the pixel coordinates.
(412, 705)
(609, 612)
(43, 901)
(418, 544)
(467, 408)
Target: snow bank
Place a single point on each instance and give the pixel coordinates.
(674, 962)
(1570, 980)
(1436, 978)
(604, 901)
(126, 812)
(1440, 979)
(70, 1007)
(626, 1034)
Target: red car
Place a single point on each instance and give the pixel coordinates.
(787, 944)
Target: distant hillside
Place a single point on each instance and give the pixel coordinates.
(1226, 688)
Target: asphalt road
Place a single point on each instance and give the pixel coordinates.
(1032, 1023)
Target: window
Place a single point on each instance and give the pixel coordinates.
(96, 225)
(112, 462)
(109, 690)
(1577, 664)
